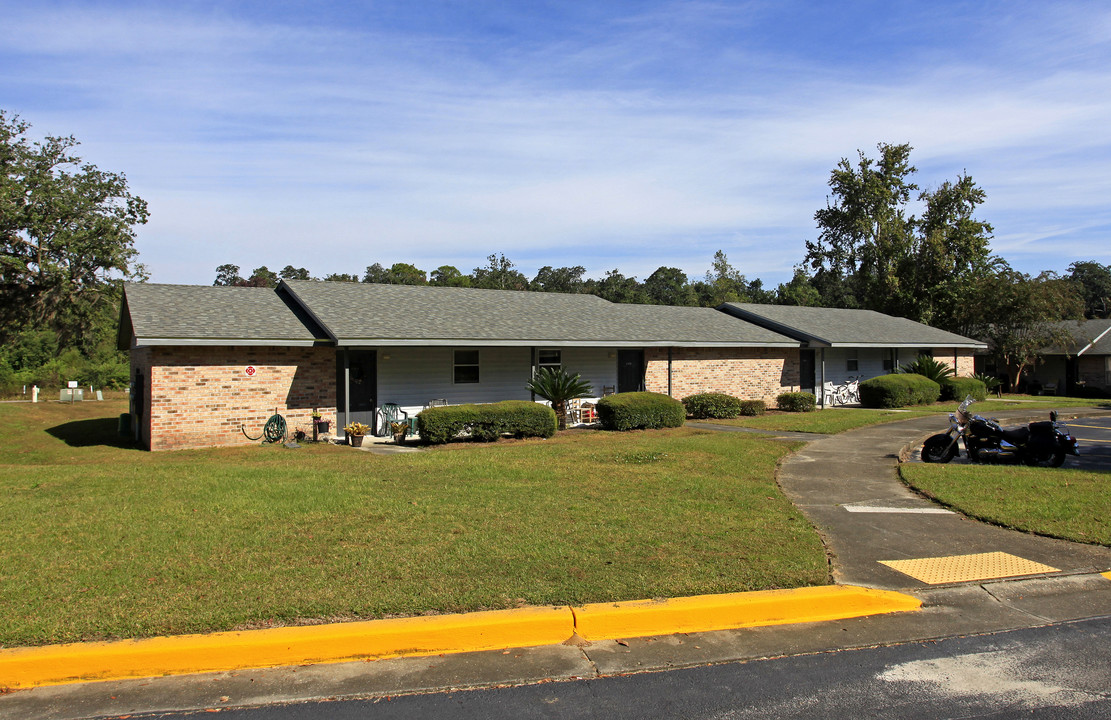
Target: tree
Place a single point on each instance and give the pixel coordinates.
(406, 274)
(341, 277)
(1095, 287)
(872, 253)
(798, 291)
(1019, 317)
(498, 275)
(376, 274)
(563, 279)
(449, 276)
(228, 275)
(291, 273)
(669, 286)
(617, 288)
(67, 236)
(262, 277)
(724, 283)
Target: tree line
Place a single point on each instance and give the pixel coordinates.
(67, 234)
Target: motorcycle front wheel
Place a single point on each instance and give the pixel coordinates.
(939, 449)
(1045, 458)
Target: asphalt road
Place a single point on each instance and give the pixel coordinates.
(1055, 671)
(1094, 435)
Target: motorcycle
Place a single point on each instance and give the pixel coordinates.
(1041, 444)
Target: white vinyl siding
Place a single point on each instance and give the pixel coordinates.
(598, 366)
(413, 376)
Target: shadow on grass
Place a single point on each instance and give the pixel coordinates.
(92, 433)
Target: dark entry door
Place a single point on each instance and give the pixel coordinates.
(630, 370)
(358, 371)
(806, 370)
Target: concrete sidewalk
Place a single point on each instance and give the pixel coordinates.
(846, 484)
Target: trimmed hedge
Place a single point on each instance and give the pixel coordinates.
(753, 407)
(796, 402)
(899, 390)
(957, 388)
(640, 410)
(712, 405)
(519, 418)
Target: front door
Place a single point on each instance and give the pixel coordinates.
(630, 370)
(806, 370)
(356, 370)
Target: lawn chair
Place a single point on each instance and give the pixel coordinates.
(390, 413)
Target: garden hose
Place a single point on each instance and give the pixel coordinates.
(274, 430)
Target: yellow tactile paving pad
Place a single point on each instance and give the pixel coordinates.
(966, 568)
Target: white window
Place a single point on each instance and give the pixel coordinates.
(466, 367)
(551, 359)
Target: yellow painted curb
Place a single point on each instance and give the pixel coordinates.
(183, 654)
(608, 621)
(1107, 575)
(340, 642)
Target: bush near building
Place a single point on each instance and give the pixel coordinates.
(898, 390)
(640, 411)
(519, 418)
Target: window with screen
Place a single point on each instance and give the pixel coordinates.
(551, 359)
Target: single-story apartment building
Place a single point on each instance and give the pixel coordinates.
(209, 365)
(1085, 364)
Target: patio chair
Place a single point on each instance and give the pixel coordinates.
(390, 413)
(608, 390)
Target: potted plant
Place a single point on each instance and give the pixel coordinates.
(355, 433)
(557, 387)
(400, 430)
(320, 425)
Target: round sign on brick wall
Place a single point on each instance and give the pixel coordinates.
(250, 371)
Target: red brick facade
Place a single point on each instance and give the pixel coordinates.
(201, 396)
(747, 373)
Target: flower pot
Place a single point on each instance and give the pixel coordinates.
(322, 426)
(355, 440)
(399, 438)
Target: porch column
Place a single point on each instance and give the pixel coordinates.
(669, 372)
(346, 389)
(822, 389)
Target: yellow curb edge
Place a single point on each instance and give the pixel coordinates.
(28, 667)
(1106, 575)
(638, 618)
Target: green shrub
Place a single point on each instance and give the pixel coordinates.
(519, 418)
(753, 407)
(957, 388)
(640, 410)
(712, 405)
(796, 402)
(898, 390)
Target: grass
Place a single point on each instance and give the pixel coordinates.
(1069, 504)
(836, 420)
(99, 540)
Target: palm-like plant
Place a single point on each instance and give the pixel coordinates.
(557, 387)
(927, 366)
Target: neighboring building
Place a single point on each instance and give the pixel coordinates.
(839, 344)
(1084, 365)
(211, 364)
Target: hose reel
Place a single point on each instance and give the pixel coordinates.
(273, 431)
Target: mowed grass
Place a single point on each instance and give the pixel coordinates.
(1062, 503)
(99, 540)
(835, 420)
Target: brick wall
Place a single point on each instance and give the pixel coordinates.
(747, 373)
(199, 397)
(961, 359)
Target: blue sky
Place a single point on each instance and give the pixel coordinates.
(619, 134)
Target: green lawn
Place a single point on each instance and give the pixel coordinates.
(836, 420)
(99, 540)
(1064, 503)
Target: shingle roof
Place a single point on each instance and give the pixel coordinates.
(358, 313)
(214, 315)
(837, 327)
(1090, 337)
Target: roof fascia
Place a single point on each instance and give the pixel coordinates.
(781, 328)
(973, 346)
(283, 286)
(226, 342)
(547, 342)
